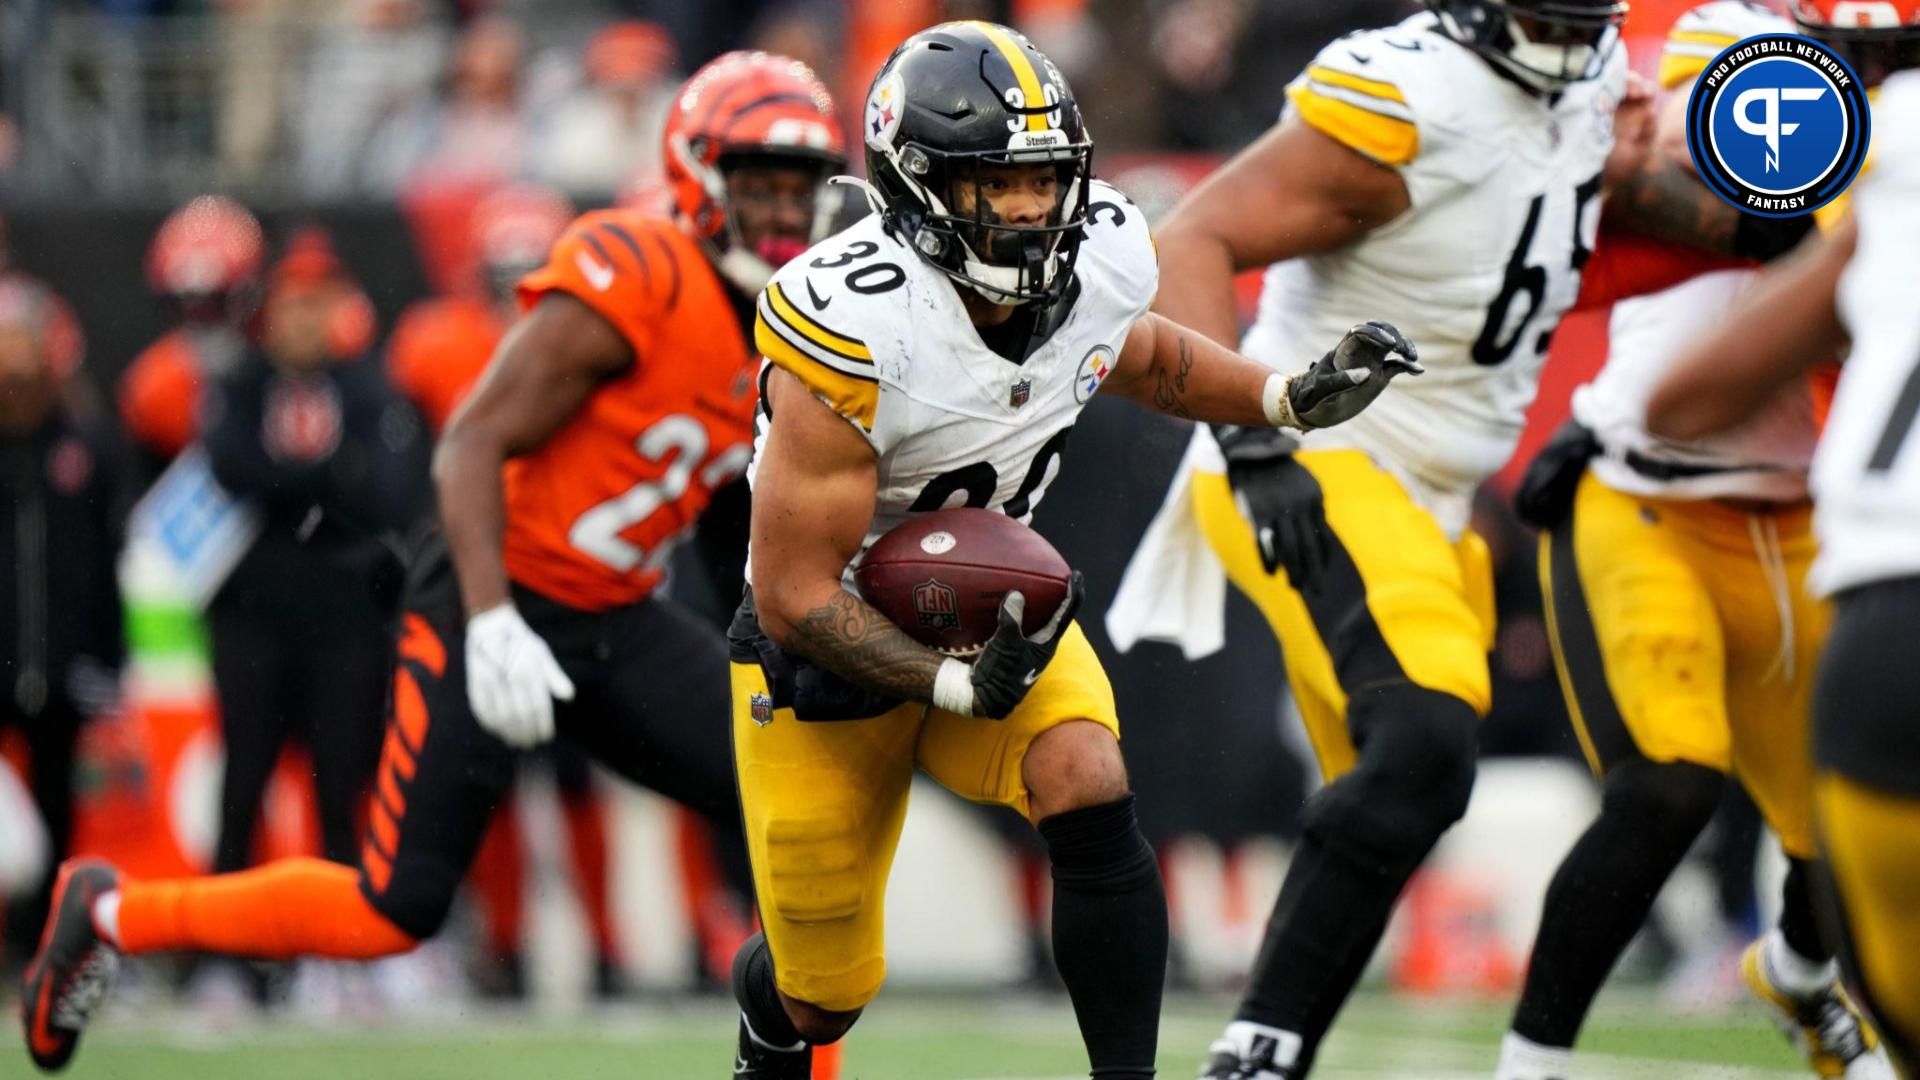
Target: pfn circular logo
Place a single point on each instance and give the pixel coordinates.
(1778, 125)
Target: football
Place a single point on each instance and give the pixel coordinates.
(941, 576)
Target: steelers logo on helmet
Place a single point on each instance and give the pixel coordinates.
(885, 105)
(1778, 125)
(980, 160)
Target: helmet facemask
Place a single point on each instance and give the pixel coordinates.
(1005, 263)
(1547, 44)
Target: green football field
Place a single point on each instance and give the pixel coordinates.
(905, 1037)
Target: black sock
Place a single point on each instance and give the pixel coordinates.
(1650, 815)
(759, 1000)
(1326, 924)
(1798, 923)
(1362, 836)
(1109, 934)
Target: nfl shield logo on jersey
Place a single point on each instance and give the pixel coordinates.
(1022, 390)
(760, 707)
(937, 604)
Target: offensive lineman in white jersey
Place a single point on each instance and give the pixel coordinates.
(937, 355)
(1857, 286)
(1449, 170)
(1674, 577)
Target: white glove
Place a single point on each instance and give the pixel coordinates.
(512, 677)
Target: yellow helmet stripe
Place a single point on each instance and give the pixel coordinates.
(1023, 71)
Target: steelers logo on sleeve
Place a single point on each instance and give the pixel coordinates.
(1778, 125)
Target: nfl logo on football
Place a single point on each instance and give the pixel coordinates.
(937, 604)
(760, 707)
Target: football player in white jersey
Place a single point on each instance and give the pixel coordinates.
(934, 355)
(1857, 287)
(1673, 574)
(1448, 169)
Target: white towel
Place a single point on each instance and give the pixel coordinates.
(1175, 589)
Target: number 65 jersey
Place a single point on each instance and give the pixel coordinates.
(1505, 189)
(881, 338)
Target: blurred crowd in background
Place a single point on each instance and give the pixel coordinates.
(374, 97)
(385, 170)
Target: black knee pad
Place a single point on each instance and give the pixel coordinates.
(1665, 802)
(1411, 782)
(1099, 848)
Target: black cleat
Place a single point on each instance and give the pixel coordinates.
(74, 969)
(755, 1061)
(1223, 1063)
(1248, 1051)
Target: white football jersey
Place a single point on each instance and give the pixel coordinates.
(1767, 456)
(1866, 473)
(1505, 188)
(882, 338)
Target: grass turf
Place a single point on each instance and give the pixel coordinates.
(907, 1037)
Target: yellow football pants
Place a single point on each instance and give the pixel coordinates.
(1400, 602)
(1871, 841)
(824, 802)
(1683, 631)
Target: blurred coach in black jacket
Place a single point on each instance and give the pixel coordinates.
(61, 515)
(336, 462)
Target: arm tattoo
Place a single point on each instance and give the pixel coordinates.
(847, 636)
(1170, 392)
(1667, 202)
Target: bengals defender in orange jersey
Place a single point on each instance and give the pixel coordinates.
(610, 413)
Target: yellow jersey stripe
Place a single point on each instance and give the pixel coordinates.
(1023, 71)
(839, 344)
(1386, 139)
(1675, 69)
(1369, 87)
(855, 398)
(1703, 37)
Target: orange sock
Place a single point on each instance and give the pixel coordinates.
(499, 876)
(285, 909)
(587, 836)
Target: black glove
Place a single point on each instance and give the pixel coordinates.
(1281, 499)
(1347, 379)
(1544, 498)
(1011, 661)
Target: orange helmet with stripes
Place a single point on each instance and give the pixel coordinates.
(207, 259)
(513, 229)
(1876, 37)
(747, 107)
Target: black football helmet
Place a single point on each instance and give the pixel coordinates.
(950, 102)
(1547, 44)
